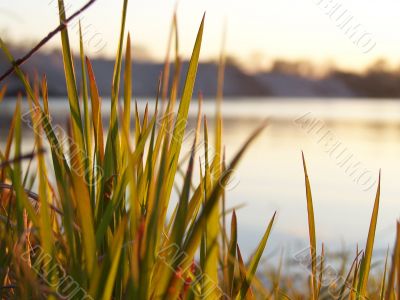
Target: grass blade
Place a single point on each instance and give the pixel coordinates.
(395, 267)
(231, 258)
(77, 126)
(128, 86)
(86, 112)
(181, 119)
(113, 138)
(96, 114)
(363, 280)
(383, 282)
(255, 260)
(312, 235)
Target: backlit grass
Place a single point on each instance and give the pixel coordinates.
(99, 228)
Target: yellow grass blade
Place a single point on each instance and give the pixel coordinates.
(193, 240)
(255, 261)
(44, 196)
(86, 112)
(113, 143)
(395, 267)
(128, 87)
(10, 139)
(363, 280)
(96, 114)
(45, 95)
(383, 282)
(183, 111)
(312, 235)
(231, 257)
(77, 127)
(321, 269)
(61, 167)
(115, 258)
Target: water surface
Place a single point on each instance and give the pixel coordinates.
(270, 177)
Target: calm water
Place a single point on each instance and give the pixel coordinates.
(334, 135)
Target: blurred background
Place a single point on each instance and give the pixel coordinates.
(327, 74)
(310, 48)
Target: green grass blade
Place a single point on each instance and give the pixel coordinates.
(44, 196)
(179, 227)
(181, 119)
(112, 144)
(61, 167)
(115, 260)
(255, 260)
(77, 126)
(231, 258)
(242, 268)
(128, 86)
(86, 112)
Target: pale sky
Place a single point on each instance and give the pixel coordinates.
(257, 30)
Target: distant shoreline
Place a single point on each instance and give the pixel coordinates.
(284, 80)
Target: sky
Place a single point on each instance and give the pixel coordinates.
(258, 31)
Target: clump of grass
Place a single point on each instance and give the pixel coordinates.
(99, 228)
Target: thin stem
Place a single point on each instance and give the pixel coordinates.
(49, 36)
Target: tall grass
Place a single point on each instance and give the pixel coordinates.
(99, 228)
